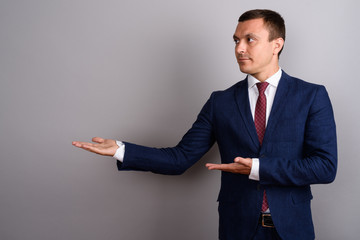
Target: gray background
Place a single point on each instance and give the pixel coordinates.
(140, 71)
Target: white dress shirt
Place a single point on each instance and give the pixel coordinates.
(120, 152)
(253, 96)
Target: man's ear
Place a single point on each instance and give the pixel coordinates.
(278, 45)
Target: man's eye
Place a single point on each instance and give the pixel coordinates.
(251, 39)
(236, 41)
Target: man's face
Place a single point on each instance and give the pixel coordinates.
(254, 53)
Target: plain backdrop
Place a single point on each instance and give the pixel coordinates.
(140, 71)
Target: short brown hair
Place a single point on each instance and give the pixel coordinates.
(272, 20)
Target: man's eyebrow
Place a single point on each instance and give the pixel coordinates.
(252, 35)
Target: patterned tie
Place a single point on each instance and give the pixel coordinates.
(260, 123)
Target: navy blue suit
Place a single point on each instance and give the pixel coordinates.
(298, 149)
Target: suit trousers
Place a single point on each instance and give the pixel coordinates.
(266, 233)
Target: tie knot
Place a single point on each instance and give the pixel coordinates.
(262, 87)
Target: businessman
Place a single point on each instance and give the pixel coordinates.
(276, 136)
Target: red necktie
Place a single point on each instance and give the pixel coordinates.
(260, 123)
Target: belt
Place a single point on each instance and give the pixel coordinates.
(265, 220)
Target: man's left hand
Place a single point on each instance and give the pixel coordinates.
(240, 165)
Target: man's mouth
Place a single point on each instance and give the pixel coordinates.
(243, 59)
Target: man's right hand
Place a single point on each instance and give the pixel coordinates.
(106, 147)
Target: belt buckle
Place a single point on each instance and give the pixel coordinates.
(266, 220)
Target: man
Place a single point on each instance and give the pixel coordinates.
(276, 135)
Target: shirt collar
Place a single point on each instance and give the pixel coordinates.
(273, 80)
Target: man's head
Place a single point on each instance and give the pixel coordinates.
(272, 20)
(259, 39)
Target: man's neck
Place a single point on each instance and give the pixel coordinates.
(262, 76)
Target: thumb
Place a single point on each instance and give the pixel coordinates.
(98, 140)
(238, 159)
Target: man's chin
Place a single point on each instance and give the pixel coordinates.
(244, 69)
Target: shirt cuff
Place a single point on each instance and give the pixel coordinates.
(254, 173)
(120, 152)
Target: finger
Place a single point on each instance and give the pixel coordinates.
(243, 161)
(81, 144)
(222, 167)
(95, 148)
(98, 140)
(210, 165)
(90, 148)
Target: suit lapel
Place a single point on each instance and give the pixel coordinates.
(242, 100)
(279, 103)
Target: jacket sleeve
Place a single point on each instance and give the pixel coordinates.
(175, 160)
(318, 162)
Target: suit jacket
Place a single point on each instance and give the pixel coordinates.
(299, 148)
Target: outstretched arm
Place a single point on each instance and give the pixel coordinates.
(105, 147)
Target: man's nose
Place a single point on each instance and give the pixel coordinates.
(240, 48)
